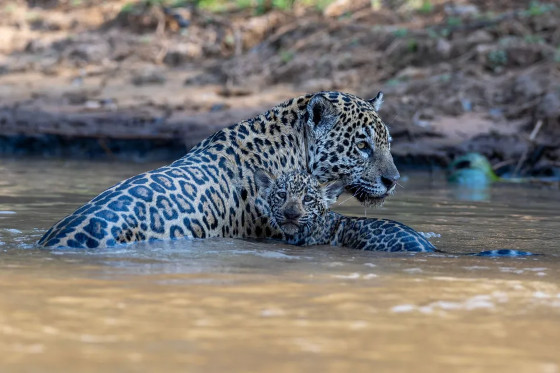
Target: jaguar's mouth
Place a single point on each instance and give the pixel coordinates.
(367, 195)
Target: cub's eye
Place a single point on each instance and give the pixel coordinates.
(281, 195)
(307, 198)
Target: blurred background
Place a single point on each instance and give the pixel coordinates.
(144, 80)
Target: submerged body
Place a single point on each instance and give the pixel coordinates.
(210, 192)
(298, 205)
(364, 234)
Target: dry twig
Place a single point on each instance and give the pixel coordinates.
(532, 137)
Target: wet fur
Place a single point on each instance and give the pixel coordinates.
(210, 192)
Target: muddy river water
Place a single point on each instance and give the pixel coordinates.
(230, 305)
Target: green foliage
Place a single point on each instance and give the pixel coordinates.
(263, 6)
(219, 6)
(393, 82)
(244, 4)
(400, 33)
(445, 32)
(536, 8)
(182, 3)
(533, 39)
(485, 16)
(444, 78)
(287, 55)
(258, 6)
(10, 8)
(130, 6)
(317, 4)
(146, 39)
(433, 34)
(426, 8)
(127, 8)
(454, 21)
(557, 55)
(412, 45)
(229, 40)
(155, 2)
(438, 33)
(283, 4)
(497, 58)
(32, 16)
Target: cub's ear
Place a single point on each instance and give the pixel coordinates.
(377, 101)
(263, 180)
(332, 190)
(322, 115)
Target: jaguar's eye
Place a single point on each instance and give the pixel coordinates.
(362, 145)
(281, 195)
(307, 198)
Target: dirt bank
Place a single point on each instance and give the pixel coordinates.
(457, 77)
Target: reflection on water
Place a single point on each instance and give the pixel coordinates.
(230, 305)
(471, 193)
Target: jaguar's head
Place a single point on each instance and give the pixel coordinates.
(295, 201)
(348, 141)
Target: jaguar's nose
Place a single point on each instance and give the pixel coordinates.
(390, 182)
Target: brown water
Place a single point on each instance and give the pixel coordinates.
(229, 305)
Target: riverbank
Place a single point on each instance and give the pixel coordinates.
(80, 79)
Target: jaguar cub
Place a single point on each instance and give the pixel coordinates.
(298, 205)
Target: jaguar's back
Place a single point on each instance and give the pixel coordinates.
(159, 204)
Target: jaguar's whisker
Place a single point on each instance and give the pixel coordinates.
(346, 200)
(354, 195)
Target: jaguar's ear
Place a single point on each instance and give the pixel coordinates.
(332, 190)
(263, 180)
(322, 115)
(377, 101)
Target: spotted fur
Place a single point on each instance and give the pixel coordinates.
(210, 192)
(298, 205)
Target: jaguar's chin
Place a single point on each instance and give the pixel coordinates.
(368, 196)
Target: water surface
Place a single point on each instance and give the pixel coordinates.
(231, 305)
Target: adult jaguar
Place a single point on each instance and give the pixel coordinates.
(298, 205)
(210, 192)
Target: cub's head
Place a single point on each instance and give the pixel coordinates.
(348, 141)
(295, 201)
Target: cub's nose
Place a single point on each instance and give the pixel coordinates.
(292, 213)
(390, 182)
